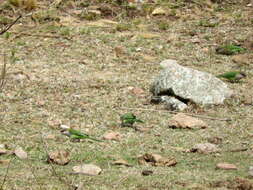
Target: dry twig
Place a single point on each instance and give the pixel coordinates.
(3, 74)
(6, 174)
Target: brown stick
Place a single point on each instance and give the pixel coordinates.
(174, 112)
(3, 74)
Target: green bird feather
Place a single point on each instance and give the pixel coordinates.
(233, 76)
(129, 119)
(74, 134)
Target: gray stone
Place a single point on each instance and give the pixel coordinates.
(173, 104)
(189, 85)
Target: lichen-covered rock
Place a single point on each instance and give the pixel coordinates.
(189, 84)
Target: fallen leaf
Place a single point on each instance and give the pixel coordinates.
(121, 162)
(87, 169)
(60, 157)
(139, 92)
(205, 148)
(5, 162)
(226, 166)
(181, 120)
(112, 136)
(20, 153)
(156, 160)
(119, 51)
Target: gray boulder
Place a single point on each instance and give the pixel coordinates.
(187, 84)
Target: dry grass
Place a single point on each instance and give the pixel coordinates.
(80, 82)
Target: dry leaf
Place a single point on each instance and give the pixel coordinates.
(226, 166)
(87, 169)
(112, 136)
(121, 162)
(181, 120)
(5, 162)
(156, 160)
(205, 148)
(60, 157)
(119, 51)
(20, 153)
(139, 92)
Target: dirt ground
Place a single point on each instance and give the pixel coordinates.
(85, 69)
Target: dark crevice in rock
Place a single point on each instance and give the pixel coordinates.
(170, 92)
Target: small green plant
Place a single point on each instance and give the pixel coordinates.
(229, 49)
(7, 35)
(123, 27)
(163, 25)
(207, 23)
(65, 31)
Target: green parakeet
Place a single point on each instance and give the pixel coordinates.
(128, 119)
(74, 134)
(233, 76)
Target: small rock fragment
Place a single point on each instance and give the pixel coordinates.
(65, 127)
(173, 104)
(226, 166)
(181, 120)
(87, 169)
(20, 153)
(112, 136)
(60, 157)
(147, 172)
(214, 140)
(205, 148)
(251, 171)
(158, 11)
